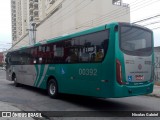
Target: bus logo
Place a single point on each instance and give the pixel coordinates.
(139, 66)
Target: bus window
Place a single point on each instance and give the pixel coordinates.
(135, 41)
(91, 47)
(35, 55)
(15, 58)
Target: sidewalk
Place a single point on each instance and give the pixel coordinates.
(156, 91)
(7, 107)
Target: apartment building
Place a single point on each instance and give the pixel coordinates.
(34, 10)
(19, 19)
(22, 12)
(13, 16)
(58, 17)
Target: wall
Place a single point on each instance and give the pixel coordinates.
(23, 42)
(71, 19)
(157, 65)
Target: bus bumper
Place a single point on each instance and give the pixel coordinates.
(127, 91)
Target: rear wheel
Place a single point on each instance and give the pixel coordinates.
(16, 84)
(52, 88)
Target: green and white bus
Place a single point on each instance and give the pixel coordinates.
(110, 61)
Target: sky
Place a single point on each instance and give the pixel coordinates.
(140, 9)
(5, 25)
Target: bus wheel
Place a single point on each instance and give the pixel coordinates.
(52, 88)
(15, 81)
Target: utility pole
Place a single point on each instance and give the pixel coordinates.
(32, 32)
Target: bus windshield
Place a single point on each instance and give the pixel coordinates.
(135, 40)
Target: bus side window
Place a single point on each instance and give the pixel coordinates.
(93, 47)
(34, 55)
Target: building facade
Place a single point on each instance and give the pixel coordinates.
(157, 65)
(13, 16)
(1, 58)
(19, 19)
(47, 19)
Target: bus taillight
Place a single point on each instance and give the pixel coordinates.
(119, 72)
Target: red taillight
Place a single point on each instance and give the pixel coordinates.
(119, 72)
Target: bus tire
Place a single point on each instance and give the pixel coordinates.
(16, 84)
(52, 88)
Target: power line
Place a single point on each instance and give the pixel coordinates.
(5, 43)
(152, 23)
(155, 28)
(112, 11)
(110, 15)
(69, 10)
(64, 7)
(148, 3)
(65, 16)
(147, 19)
(117, 10)
(115, 16)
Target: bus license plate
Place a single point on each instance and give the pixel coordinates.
(139, 77)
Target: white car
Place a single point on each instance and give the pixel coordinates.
(3, 68)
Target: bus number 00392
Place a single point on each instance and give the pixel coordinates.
(88, 72)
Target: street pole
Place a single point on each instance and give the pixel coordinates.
(34, 33)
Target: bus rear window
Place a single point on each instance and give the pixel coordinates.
(135, 40)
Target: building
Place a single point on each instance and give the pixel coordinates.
(47, 19)
(42, 13)
(34, 10)
(52, 5)
(13, 16)
(1, 59)
(157, 65)
(19, 19)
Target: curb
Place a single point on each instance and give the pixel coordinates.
(153, 95)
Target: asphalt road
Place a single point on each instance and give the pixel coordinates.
(31, 99)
